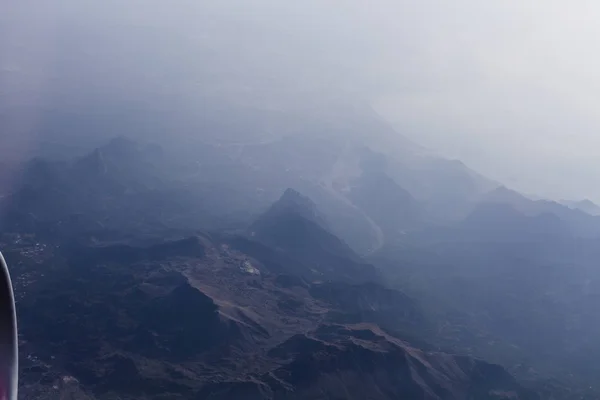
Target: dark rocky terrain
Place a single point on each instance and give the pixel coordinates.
(200, 319)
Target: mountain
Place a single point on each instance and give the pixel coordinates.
(50, 193)
(120, 317)
(495, 280)
(112, 241)
(348, 163)
(291, 203)
(504, 195)
(578, 222)
(356, 363)
(390, 206)
(123, 186)
(135, 271)
(199, 318)
(500, 221)
(125, 163)
(229, 180)
(293, 225)
(586, 206)
(391, 310)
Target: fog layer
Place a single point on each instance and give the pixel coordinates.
(510, 87)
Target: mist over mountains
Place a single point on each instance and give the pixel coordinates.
(311, 220)
(193, 211)
(360, 252)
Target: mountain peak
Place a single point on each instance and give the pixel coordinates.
(586, 205)
(293, 196)
(294, 226)
(587, 202)
(293, 203)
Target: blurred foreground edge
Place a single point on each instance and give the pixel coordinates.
(8, 337)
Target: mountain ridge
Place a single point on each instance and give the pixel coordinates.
(282, 271)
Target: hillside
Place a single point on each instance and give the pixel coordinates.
(127, 233)
(242, 328)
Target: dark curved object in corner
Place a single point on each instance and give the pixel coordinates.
(8, 337)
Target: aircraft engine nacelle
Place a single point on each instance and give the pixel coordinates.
(9, 359)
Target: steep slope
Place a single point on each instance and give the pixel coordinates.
(336, 362)
(586, 206)
(134, 327)
(391, 310)
(294, 227)
(287, 276)
(290, 203)
(390, 206)
(198, 318)
(499, 278)
(501, 222)
(124, 187)
(51, 193)
(342, 167)
(577, 222)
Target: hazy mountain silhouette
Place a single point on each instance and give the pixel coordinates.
(294, 225)
(586, 206)
(578, 222)
(455, 269)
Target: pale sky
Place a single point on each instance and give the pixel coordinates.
(510, 87)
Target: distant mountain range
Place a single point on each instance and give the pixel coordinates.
(366, 253)
(586, 206)
(203, 225)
